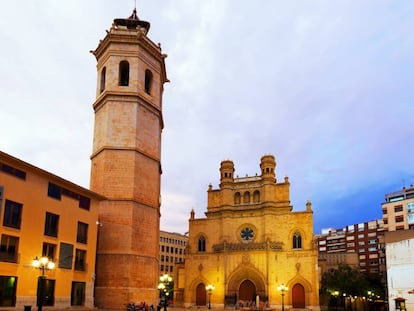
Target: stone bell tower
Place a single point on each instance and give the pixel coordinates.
(126, 165)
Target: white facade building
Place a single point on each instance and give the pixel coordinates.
(400, 272)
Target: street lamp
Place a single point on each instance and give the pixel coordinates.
(164, 288)
(371, 299)
(282, 289)
(336, 295)
(209, 289)
(43, 264)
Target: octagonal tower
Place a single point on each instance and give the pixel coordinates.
(126, 166)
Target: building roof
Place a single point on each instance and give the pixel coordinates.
(9, 159)
(132, 21)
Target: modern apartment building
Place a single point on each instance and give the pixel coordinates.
(361, 239)
(398, 210)
(45, 216)
(172, 250)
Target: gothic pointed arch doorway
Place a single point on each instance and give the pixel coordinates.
(298, 296)
(247, 291)
(201, 299)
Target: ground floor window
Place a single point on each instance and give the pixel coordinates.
(8, 286)
(9, 248)
(77, 297)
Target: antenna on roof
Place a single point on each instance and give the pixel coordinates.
(135, 4)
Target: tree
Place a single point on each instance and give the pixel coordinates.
(341, 284)
(345, 280)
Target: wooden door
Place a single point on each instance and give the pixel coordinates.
(298, 296)
(247, 291)
(201, 295)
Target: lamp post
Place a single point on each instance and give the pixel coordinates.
(209, 289)
(282, 289)
(161, 288)
(336, 295)
(43, 264)
(371, 299)
(164, 286)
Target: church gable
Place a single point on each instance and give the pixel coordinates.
(249, 242)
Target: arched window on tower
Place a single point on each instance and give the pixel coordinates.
(124, 73)
(201, 244)
(256, 196)
(297, 240)
(148, 81)
(246, 197)
(103, 78)
(237, 198)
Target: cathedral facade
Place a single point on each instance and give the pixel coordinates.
(249, 246)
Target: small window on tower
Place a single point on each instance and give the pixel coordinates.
(148, 81)
(124, 73)
(103, 77)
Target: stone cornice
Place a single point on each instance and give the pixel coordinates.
(240, 247)
(274, 208)
(120, 148)
(133, 97)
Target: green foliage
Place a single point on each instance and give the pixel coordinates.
(166, 287)
(348, 281)
(169, 289)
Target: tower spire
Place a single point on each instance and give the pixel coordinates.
(132, 21)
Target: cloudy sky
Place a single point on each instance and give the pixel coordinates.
(325, 86)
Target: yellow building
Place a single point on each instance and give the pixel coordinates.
(45, 215)
(248, 245)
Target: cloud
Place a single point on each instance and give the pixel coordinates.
(175, 209)
(326, 87)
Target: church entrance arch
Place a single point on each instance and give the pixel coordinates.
(201, 299)
(245, 284)
(247, 291)
(298, 296)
